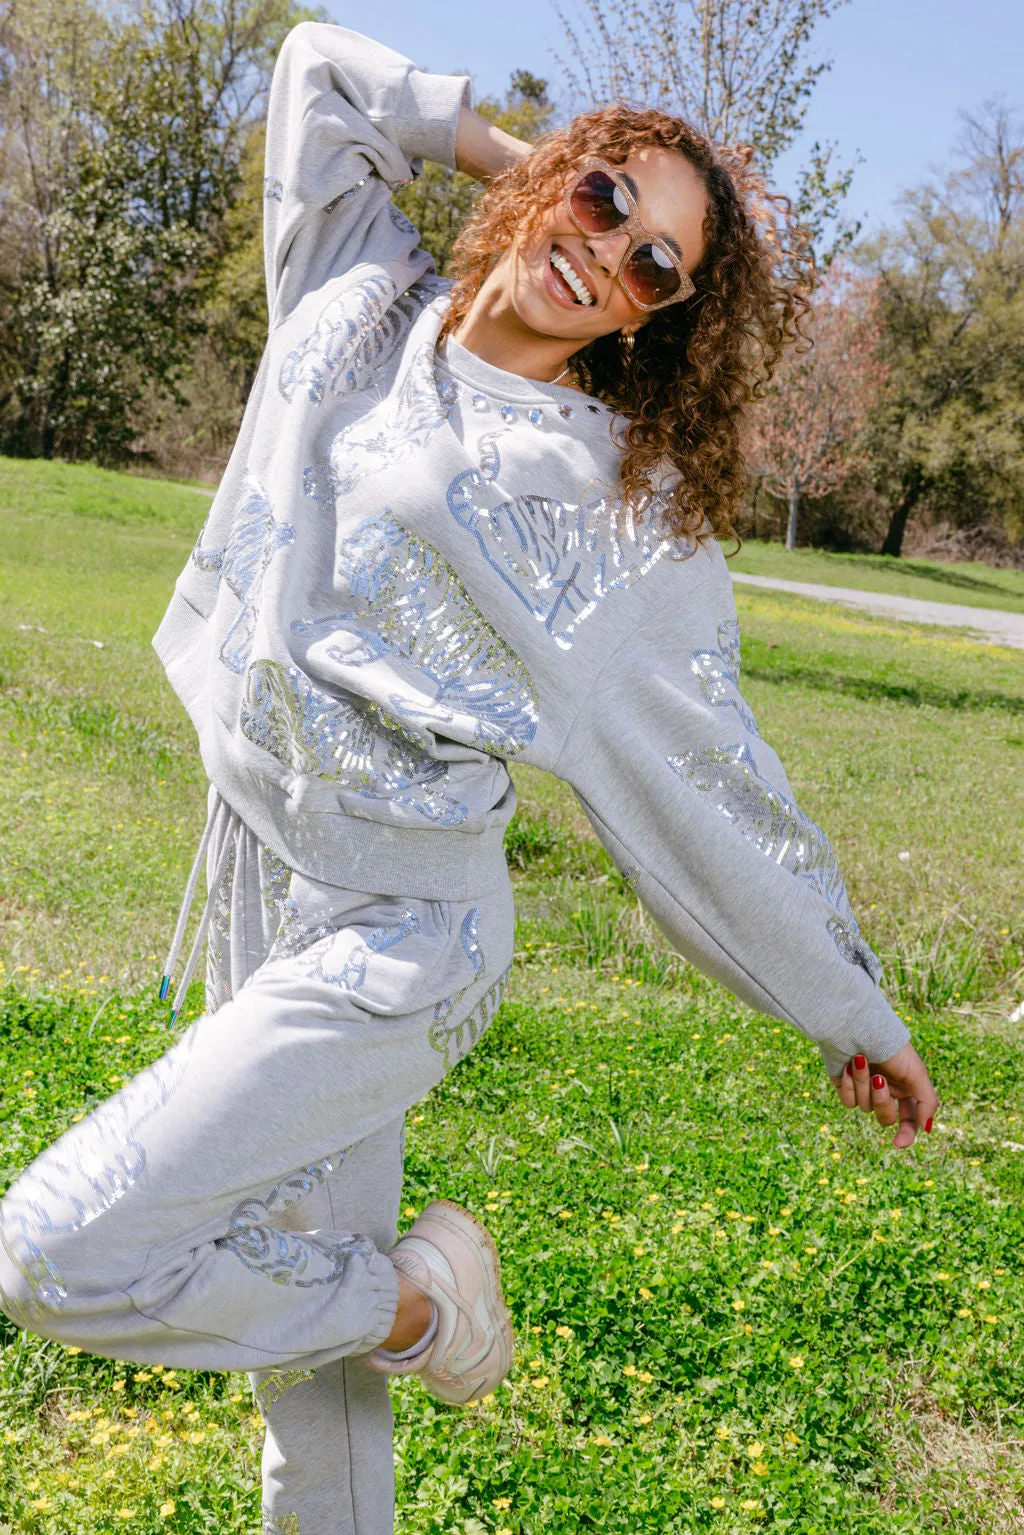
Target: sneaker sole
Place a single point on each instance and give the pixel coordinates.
(461, 1223)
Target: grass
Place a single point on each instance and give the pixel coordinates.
(968, 584)
(736, 1308)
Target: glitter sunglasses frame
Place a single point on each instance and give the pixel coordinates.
(639, 235)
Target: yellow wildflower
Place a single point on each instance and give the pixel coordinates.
(796, 1362)
(565, 1215)
(739, 1305)
(723, 1431)
(717, 1502)
(502, 1502)
(167, 1509)
(639, 1251)
(791, 1438)
(563, 1331)
(629, 1369)
(750, 1504)
(646, 1377)
(645, 1417)
(600, 1439)
(647, 1294)
(759, 1468)
(540, 1381)
(755, 1450)
(964, 1311)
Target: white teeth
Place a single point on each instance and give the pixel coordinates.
(576, 283)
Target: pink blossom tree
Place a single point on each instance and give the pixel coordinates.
(805, 436)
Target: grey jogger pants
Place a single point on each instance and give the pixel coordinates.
(231, 1207)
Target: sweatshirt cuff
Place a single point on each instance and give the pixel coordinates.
(432, 121)
(878, 1038)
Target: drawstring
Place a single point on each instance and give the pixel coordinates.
(221, 815)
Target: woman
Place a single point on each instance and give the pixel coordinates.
(460, 526)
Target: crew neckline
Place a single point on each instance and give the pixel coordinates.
(470, 369)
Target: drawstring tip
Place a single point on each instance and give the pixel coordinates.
(174, 1014)
(165, 986)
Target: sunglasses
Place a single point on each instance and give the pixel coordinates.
(652, 274)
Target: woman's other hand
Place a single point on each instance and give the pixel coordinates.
(898, 1089)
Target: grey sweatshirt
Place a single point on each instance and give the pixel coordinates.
(416, 570)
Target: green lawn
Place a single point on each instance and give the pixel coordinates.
(971, 585)
(736, 1308)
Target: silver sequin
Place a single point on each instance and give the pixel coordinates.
(275, 1385)
(454, 1041)
(728, 775)
(718, 672)
(395, 429)
(273, 190)
(536, 416)
(507, 413)
(77, 1179)
(480, 402)
(400, 221)
(350, 743)
(280, 1524)
(242, 563)
(425, 616)
(304, 1259)
(561, 560)
(351, 975)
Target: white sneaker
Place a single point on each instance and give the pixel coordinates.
(451, 1258)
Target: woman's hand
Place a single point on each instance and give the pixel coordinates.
(482, 150)
(896, 1089)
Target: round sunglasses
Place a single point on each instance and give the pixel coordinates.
(599, 201)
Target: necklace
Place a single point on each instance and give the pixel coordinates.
(561, 375)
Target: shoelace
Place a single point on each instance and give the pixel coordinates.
(221, 817)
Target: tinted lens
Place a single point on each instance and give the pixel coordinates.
(647, 278)
(598, 204)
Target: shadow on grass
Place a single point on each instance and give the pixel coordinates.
(915, 694)
(946, 575)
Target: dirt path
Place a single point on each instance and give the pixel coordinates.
(991, 626)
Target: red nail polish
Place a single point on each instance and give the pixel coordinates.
(928, 1125)
(878, 1083)
(846, 1070)
(860, 1061)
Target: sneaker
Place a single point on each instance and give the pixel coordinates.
(451, 1258)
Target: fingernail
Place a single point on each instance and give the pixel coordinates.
(928, 1125)
(860, 1061)
(878, 1082)
(846, 1070)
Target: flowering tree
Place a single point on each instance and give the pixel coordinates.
(805, 435)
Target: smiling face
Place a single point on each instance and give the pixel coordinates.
(562, 283)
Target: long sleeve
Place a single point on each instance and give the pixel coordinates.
(344, 112)
(696, 811)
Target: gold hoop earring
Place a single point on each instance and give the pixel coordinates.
(627, 338)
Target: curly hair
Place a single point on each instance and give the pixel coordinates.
(694, 366)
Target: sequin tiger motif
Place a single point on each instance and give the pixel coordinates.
(349, 743)
(357, 320)
(242, 563)
(304, 1259)
(76, 1180)
(559, 559)
(451, 1039)
(718, 674)
(425, 616)
(728, 775)
(394, 430)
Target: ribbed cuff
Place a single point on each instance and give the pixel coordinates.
(429, 132)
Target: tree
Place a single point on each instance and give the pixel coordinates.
(736, 69)
(949, 434)
(440, 200)
(806, 435)
(124, 131)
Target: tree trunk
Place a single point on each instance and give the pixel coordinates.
(913, 483)
(794, 507)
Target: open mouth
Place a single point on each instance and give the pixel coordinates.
(570, 281)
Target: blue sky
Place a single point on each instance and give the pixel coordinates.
(901, 70)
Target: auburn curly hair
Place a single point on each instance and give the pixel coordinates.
(694, 366)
